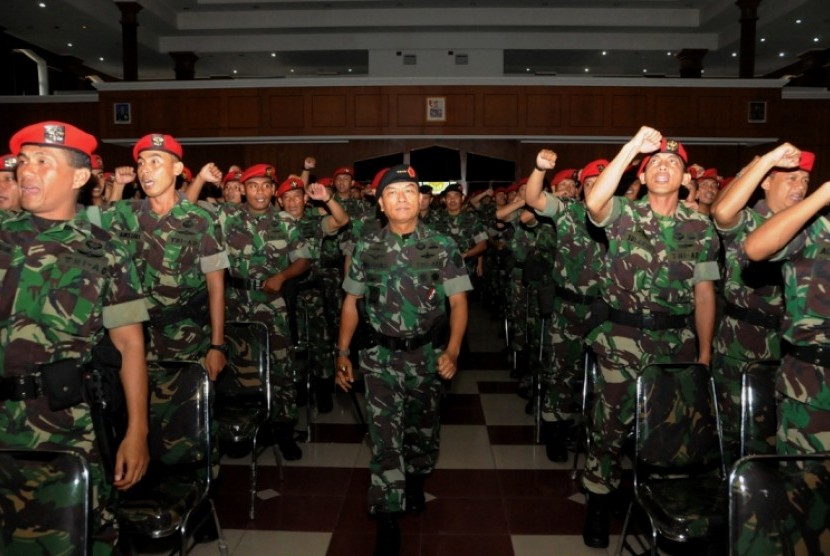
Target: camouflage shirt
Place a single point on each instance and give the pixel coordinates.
(63, 283)
(465, 228)
(654, 261)
(406, 279)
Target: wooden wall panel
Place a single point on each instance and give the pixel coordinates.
(328, 111)
(371, 110)
(287, 112)
(714, 112)
(244, 112)
(586, 111)
(544, 111)
(501, 110)
(205, 113)
(411, 110)
(628, 112)
(461, 111)
(673, 112)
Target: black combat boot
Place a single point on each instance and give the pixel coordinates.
(554, 435)
(415, 500)
(323, 388)
(285, 441)
(388, 540)
(597, 521)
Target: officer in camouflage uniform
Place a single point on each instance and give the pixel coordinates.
(180, 255)
(64, 282)
(799, 236)
(313, 227)
(405, 273)
(661, 265)
(753, 291)
(578, 271)
(265, 250)
(9, 190)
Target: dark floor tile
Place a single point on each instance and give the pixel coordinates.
(497, 386)
(511, 434)
(528, 483)
(544, 516)
(463, 483)
(457, 545)
(464, 516)
(337, 433)
(350, 544)
(298, 513)
(307, 481)
(359, 482)
(485, 361)
(462, 409)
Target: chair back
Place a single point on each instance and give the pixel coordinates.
(247, 374)
(759, 421)
(677, 425)
(780, 505)
(44, 501)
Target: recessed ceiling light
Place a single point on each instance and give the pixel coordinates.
(604, 52)
(815, 39)
(798, 21)
(100, 58)
(763, 39)
(645, 70)
(587, 70)
(42, 5)
(234, 72)
(273, 55)
(780, 54)
(734, 54)
(69, 44)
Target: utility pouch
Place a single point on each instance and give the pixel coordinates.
(62, 384)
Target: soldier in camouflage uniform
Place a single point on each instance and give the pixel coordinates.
(798, 236)
(578, 270)
(463, 226)
(405, 273)
(180, 255)
(661, 267)
(753, 291)
(64, 282)
(313, 227)
(9, 190)
(265, 250)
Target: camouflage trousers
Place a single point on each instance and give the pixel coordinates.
(621, 352)
(312, 327)
(803, 408)
(331, 281)
(185, 340)
(519, 312)
(32, 425)
(403, 391)
(566, 334)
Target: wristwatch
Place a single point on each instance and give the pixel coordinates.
(341, 352)
(219, 347)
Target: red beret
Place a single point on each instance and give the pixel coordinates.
(326, 182)
(521, 182)
(97, 162)
(259, 171)
(290, 184)
(109, 176)
(343, 170)
(806, 161)
(726, 182)
(54, 134)
(667, 146)
(562, 175)
(593, 169)
(231, 176)
(8, 163)
(157, 142)
(187, 174)
(376, 179)
(709, 174)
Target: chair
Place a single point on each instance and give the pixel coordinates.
(780, 505)
(176, 488)
(759, 421)
(583, 435)
(58, 483)
(243, 393)
(679, 478)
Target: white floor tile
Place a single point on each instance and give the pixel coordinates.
(465, 447)
(505, 409)
(282, 543)
(343, 412)
(232, 538)
(545, 545)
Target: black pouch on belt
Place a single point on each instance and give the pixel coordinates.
(62, 383)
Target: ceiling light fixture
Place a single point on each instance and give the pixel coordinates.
(763, 39)
(100, 58)
(273, 55)
(604, 52)
(69, 44)
(42, 5)
(798, 21)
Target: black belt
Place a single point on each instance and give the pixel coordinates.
(753, 316)
(243, 283)
(815, 355)
(574, 297)
(649, 321)
(394, 343)
(20, 387)
(331, 264)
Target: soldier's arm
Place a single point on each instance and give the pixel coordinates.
(132, 457)
(308, 165)
(534, 195)
(771, 236)
(705, 319)
(215, 360)
(208, 173)
(274, 283)
(475, 200)
(349, 318)
(476, 249)
(336, 217)
(448, 361)
(124, 175)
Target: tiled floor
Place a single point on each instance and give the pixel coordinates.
(493, 493)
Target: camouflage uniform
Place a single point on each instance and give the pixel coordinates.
(63, 284)
(804, 378)
(519, 239)
(754, 292)
(577, 273)
(465, 228)
(260, 246)
(172, 252)
(405, 281)
(652, 264)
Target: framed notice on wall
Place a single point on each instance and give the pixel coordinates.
(757, 112)
(436, 109)
(122, 113)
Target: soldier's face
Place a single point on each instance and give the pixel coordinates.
(258, 193)
(588, 184)
(9, 192)
(664, 173)
(707, 190)
(293, 202)
(157, 171)
(500, 198)
(400, 202)
(343, 184)
(232, 192)
(784, 189)
(424, 200)
(47, 182)
(453, 201)
(98, 184)
(566, 188)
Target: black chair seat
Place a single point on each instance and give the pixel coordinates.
(686, 508)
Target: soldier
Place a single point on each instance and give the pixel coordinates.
(753, 291)
(64, 282)
(661, 265)
(404, 274)
(180, 256)
(577, 274)
(565, 184)
(9, 190)
(798, 236)
(265, 251)
(708, 186)
(464, 227)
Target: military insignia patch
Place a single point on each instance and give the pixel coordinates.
(269, 171)
(411, 172)
(671, 146)
(600, 167)
(158, 140)
(9, 163)
(54, 134)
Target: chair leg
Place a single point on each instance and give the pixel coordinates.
(222, 544)
(278, 458)
(253, 487)
(621, 542)
(357, 409)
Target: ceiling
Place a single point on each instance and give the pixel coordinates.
(282, 38)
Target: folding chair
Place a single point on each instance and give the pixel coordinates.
(583, 438)
(302, 366)
(679, 478)
(546, 294)
(780, 505)
(177, 484)
(44, 502)
(759, 420)
(243, 393)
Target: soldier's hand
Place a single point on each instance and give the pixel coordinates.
(447, 365)
(215, 362)
(546, 159)
(309, 163)
(124, 175)
(786, 156)
(131, 461)
(317, 191)
(210, 173)
(343, 375)
(647, 140)
(273, 284)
